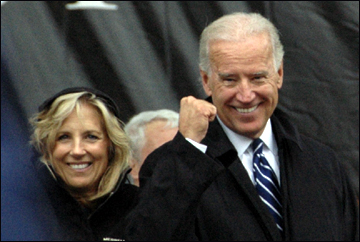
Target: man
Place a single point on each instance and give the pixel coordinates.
(147, 131)
(238, 169)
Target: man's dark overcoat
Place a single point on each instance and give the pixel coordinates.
(189, 195)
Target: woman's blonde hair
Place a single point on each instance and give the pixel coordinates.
(47, 122)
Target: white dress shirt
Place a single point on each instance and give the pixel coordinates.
(242, 145)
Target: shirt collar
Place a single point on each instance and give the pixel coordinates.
(242, 143)
(268, 138)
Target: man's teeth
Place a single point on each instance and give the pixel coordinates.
(79, 166)
(246, 110)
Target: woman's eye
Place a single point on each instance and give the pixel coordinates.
(91, 136)
(63, 137)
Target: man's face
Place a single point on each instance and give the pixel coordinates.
(243, 83)
(157, 134)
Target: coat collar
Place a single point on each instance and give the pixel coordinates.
(284, 130)
(219, 145)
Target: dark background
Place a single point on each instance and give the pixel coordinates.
(145, 55)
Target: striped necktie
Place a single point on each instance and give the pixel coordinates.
(266, 183)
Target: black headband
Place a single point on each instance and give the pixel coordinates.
(110, 104)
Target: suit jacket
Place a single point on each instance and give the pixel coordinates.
(188, 195)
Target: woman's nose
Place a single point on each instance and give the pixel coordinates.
(77, 149)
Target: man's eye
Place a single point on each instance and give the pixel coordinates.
(259, 78)
(228, 81)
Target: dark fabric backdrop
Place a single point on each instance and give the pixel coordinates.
(145, 55)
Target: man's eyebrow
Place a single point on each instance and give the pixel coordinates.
(261, 73)
(224, 75)
(227, 75)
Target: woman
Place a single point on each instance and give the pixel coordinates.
(86, 153)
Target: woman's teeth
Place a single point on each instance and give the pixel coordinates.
(79, 166)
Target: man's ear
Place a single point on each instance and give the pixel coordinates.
(206, 82)
(281, 76)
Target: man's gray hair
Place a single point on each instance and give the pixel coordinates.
(235, 26)
(135, 128)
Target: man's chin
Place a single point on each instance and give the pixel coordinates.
(249, 130)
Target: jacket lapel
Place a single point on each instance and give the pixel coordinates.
(288, 139)
(222, 150)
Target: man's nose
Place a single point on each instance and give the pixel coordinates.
(244, 92)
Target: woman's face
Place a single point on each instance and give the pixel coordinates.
(80, 155)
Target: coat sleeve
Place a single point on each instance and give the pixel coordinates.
(350, 208)
(172, 181)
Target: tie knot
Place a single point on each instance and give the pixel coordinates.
(257, 145)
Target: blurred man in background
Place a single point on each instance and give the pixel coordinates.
(149, 130)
